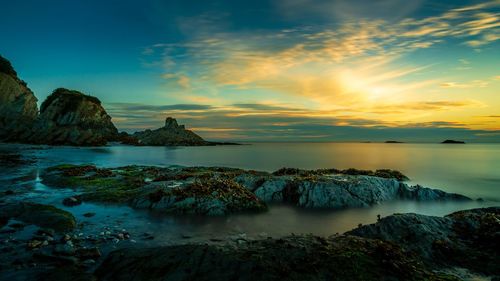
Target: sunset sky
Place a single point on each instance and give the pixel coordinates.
(282, 70)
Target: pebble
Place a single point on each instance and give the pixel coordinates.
(88, 263)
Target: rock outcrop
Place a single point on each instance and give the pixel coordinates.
(66, 117)
(18, 104)
(172, 134)
(452, 142)
(72, 118)
(468, 239)
(400, 247)
(219, 191)
(288, 258)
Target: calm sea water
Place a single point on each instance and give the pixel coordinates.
(470, 169)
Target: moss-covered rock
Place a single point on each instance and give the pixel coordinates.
(219, 190)
(207, 196)
(382, 173)
(199, 190)
(42, 215)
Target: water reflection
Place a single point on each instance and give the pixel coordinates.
(471, 169)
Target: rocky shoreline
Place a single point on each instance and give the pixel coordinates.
(69, 117)
(220, 191)
(49, 241)
(397, 247)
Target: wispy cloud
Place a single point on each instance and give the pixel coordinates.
(349, 68)
(252, 122)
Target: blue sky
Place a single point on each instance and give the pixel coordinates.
(293, 70)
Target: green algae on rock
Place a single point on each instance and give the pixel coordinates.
(42, 215)
(156, 188)
(219, 190)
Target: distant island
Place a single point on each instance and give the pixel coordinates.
(391, 141)
(69, 117)
(453, 142)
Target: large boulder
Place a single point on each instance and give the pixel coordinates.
(172, 134)
(18, 107)
(468, 239)
(69, 117)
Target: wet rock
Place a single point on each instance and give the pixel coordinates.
(71, 201)
(468, 239)
(220, 191)
(289, 258)
(9, 192)
(42, 215)
(88, 253)
(34, 244)
(46, 232)
(343, 191)
(211, 197)
(89, 215)
(66, 249)
(56, 259)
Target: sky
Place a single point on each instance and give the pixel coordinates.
(276, 70)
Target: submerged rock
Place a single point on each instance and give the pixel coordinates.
(18, 104)
(42, 215)
(288, 258)
(468, 239)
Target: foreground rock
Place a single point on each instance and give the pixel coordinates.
(289, 258)
(72, 118)
(42, 215)
(218, 191)
(467, 239)
(18, 104)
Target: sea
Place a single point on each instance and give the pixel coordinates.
(469, 169)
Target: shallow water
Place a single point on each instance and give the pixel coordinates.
(471, 169)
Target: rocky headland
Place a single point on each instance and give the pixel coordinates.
(18, 104)
(219, 191)
(69, 117)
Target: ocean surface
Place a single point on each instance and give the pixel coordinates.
(470, 169)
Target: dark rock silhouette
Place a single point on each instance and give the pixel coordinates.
(453, 142)
(170, 134)
(18, 108)
(69, 117)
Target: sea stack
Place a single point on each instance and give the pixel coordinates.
(453, 142)
(172, 134)
(18, 104)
